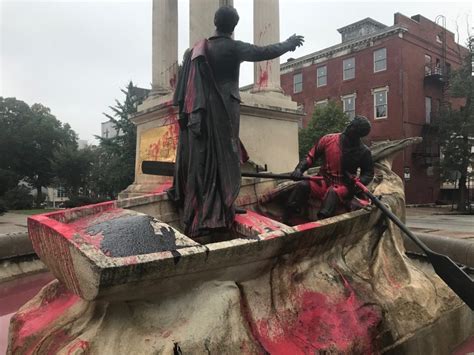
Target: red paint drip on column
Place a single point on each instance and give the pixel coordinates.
(262, 81)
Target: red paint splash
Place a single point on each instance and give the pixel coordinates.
(60, 339)
(307, 226)
(254, 222)
(78, 345)
(32, 321)
(163, 187)
(94, 240)
(320, 324)
(165, 147)
(262, 81)
(170, 117)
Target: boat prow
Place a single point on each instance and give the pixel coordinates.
(99, 250)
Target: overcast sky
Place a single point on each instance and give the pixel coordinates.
(74, 56)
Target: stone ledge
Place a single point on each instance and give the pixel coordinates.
(15, 244)
(460, 250)
(19, 267)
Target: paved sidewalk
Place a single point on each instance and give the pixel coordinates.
(440, 221)
(13, 223)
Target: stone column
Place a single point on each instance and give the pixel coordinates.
(201, 18)
(266, 30)
(164, 46)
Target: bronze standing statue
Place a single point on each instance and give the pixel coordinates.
(207, 176)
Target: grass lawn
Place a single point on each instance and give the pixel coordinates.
(34, 211)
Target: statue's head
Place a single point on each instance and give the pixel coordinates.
(225, 19)
(359, 127)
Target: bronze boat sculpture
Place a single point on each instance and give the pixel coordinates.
(131, 282)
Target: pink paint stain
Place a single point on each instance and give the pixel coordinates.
(306, 226)
(321, 324)
(60, 339)
(78, 345)
(166, 334)
(13, 295)
(163, 187)
(257, 222)
(166, 145)
(262, 81)
(32, 321)
(130, 260)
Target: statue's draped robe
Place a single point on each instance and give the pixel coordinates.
(207, 175)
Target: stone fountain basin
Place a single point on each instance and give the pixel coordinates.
(112, 251)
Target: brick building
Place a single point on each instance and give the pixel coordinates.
(395, 76)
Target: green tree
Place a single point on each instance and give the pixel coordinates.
(115, 168)
(72, 167)
(15, 116)
(28, 139)
(456, 129)
(326, 119)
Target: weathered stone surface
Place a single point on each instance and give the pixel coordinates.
(341, 285)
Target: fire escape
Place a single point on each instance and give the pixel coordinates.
(427, 154)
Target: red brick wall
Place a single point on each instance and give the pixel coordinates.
(405, 78)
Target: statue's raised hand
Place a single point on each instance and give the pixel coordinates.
(295, 41)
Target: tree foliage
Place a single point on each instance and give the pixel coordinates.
(29, 136)
(456, 129)
(37, 148)
(326, 119)
(18, 198)
(72, 167)
(114, 168)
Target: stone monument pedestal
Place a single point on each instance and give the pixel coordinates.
(157, 139)
(268, 130)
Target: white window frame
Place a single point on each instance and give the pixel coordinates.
(428, 109)
(344, 98)
(428, 64)
(380, 60)
(321, 103)
(295, 83)
(344, 68)
(318, 84)
(374, 92)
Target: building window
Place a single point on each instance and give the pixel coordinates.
(297, 83)
(321, 104)
(380, 103)
(348, 105)
(322, 76)
(428, 109)
(348, 66)
(448, 69)
(427, 64)
(437, 69)
(380, 60)
(61, 192)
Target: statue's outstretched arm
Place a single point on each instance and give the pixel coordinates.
(251, 53)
